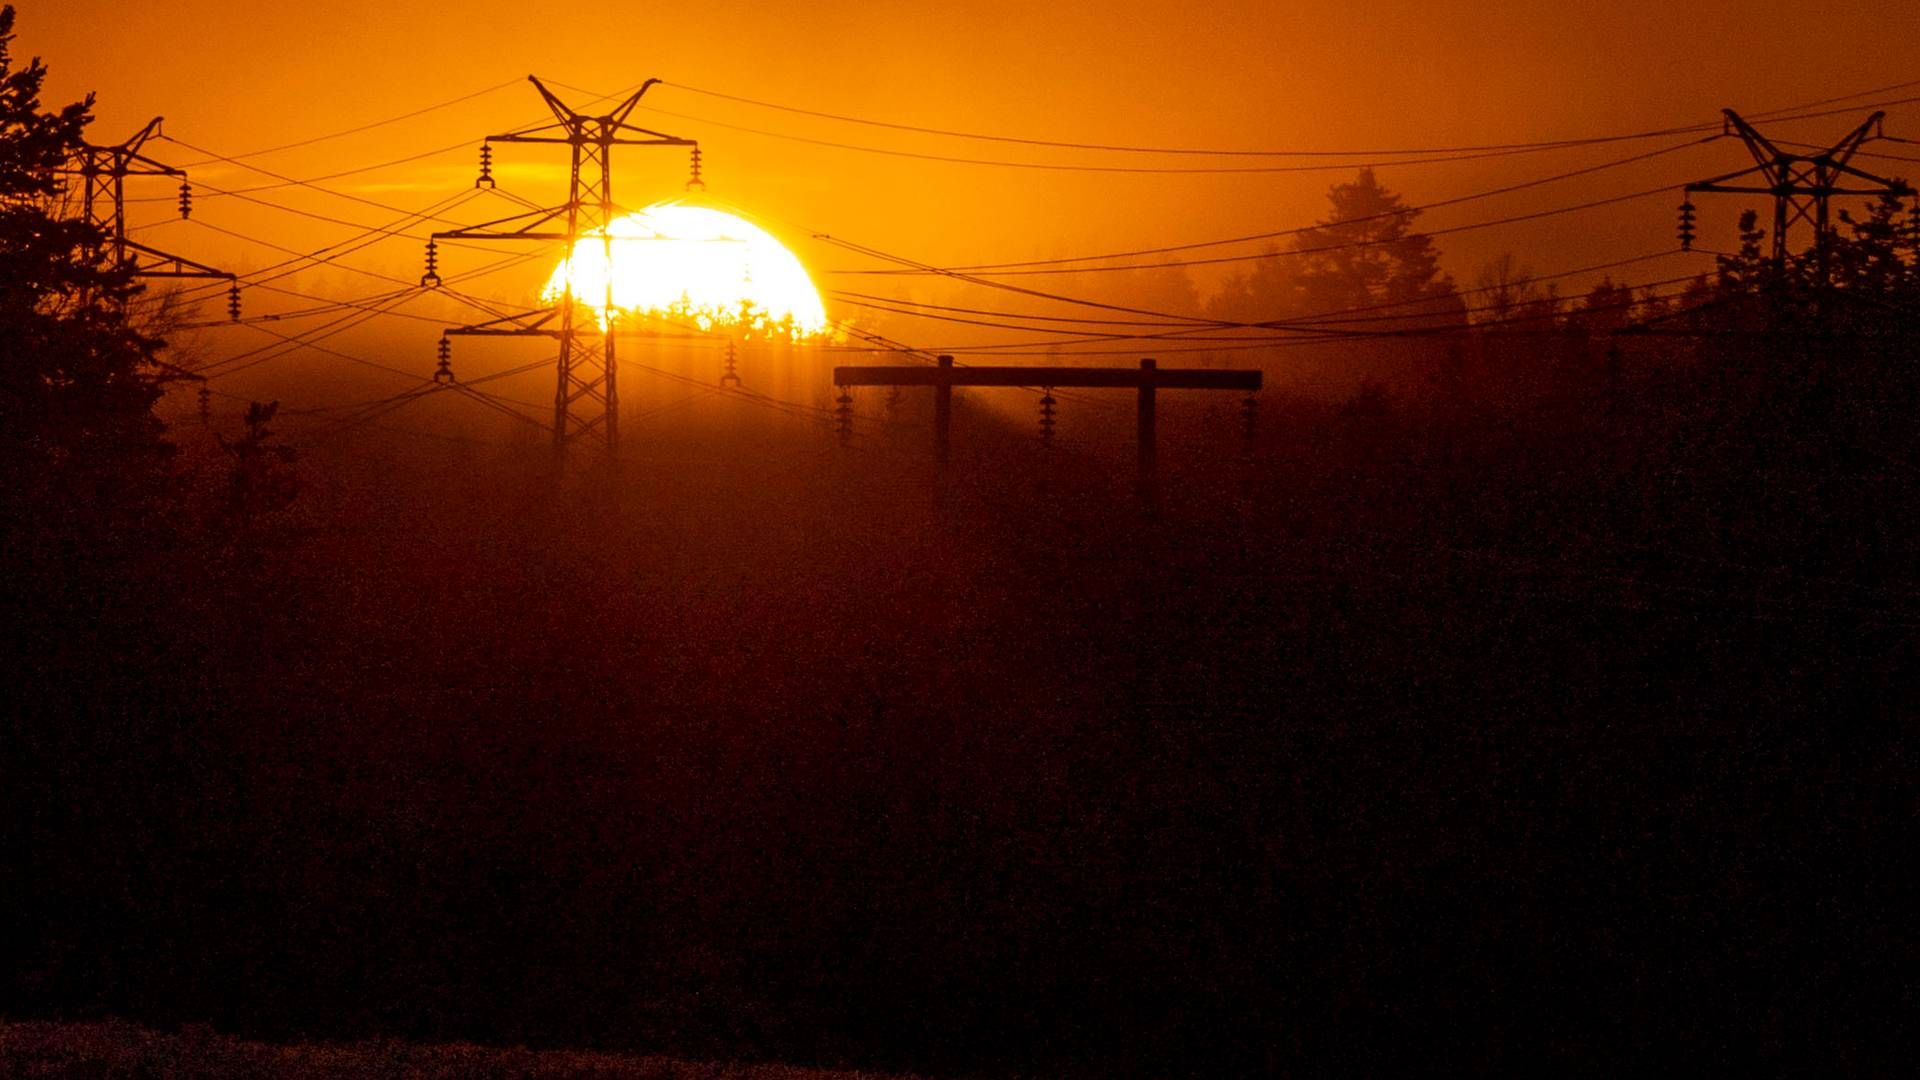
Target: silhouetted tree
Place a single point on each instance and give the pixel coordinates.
(1266, 291)
(1153, 287)
(1367, 253)
(1865, 283)
(1747, 269)
(1501, 287)
(260, 482)
(77, 383)
(1881, 257)
(1605, 309)
(1364, 255)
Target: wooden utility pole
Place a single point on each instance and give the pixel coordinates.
(1147, 435)
(1144, 380)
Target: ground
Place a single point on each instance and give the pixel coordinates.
(117, 1049)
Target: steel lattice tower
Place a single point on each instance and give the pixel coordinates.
(103, 173)
(1802, 185)
(586, 399)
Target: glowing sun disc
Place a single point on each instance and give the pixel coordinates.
(697, 265)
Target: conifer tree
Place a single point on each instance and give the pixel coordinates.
(77, 378)
(1367, 252)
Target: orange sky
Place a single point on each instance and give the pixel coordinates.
(234, 78)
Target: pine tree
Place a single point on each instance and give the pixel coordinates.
(1368, 253)
(1882, 256)
(76, 377)
(1266, 292)
(1605, 309)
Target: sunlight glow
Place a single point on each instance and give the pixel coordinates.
(696, 266)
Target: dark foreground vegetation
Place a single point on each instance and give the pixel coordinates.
(1554, 701)
(71, 1051)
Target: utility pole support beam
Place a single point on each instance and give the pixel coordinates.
(1117, 378)
(1146, 437)
(1146, 381)
(942, 407)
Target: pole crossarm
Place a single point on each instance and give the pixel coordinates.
(1115, 378)
(531, 221)
(167, 265)
(608, 129)
(524, 324)
(1145, 381)
(655, 139)
(124, 159)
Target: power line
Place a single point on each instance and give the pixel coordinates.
(1061, 167)
(855, 297)
(376, 275)
(365, 412)
(309, 181)
(304, 183)
(362, 313)
(397, 403)
(1303, 330)
(1025, 266)
(329, 260)
(962, 273)
(350, 244)
(328, 305)
(1449, 154)
(1065, 167)
(1203, 151)
(1197, 322)
(1774, 114)
(992, 283)
(449, 103)
(306, 340)
(367, 238)
(364, 228)
(216, 193)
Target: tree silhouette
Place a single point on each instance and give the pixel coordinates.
(1266, 292)
(1605, 309)
(1367, 252)
(77, 378)
(1882, 256)
(1364, 255)
(1868, 282)
(260, 481)
(1504, 285)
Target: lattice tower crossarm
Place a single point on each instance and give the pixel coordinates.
(1802, 186)
(103, 172)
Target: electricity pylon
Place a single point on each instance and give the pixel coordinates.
(103, 172)
(1802, 185)
(586, 396)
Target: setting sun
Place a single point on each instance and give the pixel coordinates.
(697, 265)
